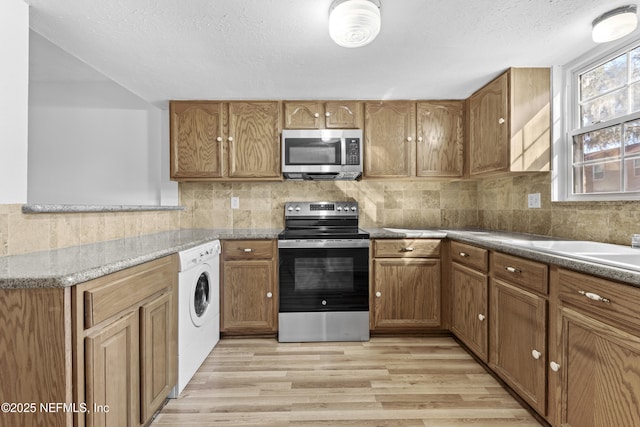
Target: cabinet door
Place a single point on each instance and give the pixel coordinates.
(600, 373)
(343, 115)
(407, 293)
(518, 339)
(489, 127)
(248, 297)
(389, 138)
(196, 139)
(303, 115)
(469, 309)
(113, 374)
(254, 140)
(158, 358)
(440, 144)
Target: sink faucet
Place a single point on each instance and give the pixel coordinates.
(635, 241)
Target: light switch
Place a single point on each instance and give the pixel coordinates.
(235, 202)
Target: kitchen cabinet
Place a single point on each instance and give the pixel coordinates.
(509, 123)
(596, 362)
(322, 114)
(249, 287)
(92, 344)
(518, 326)
(469, 300)
(127, 336)
(406, 288)
(405, 139)
(212, 140)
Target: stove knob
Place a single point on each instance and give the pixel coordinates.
(290, 208)
(297, 208)
(339, 209)
(353, 208)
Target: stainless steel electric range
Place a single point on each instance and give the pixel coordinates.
(324, 273)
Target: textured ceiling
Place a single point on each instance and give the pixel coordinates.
(280, 49)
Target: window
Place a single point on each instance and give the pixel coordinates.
(603, 129)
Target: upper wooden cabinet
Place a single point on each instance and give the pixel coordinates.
(389, 139)
(213, 140)
(509, 123)
(440, 138)
(322, 115)
(406, 139)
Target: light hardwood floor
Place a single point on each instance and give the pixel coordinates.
(384, 382)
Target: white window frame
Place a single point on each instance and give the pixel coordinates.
(566, 122)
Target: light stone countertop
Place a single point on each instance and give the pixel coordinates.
(70, 266)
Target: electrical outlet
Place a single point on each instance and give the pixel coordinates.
(534, 200)
(235, 202)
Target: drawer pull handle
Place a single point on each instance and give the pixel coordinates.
(408, 249)
(269, 295)
(536, 354)
(463, 254)
(481, 317)
(513, 270)
(247, 250)
(594, 297)
(554, 366)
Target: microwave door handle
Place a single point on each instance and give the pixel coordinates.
(343, 151)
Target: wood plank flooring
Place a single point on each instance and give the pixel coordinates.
(388, 382)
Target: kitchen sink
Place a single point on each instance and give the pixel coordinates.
(627, 260)
(574, 246)
(408, 232)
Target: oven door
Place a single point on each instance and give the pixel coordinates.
(324, 275)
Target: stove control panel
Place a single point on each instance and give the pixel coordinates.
(321, 209)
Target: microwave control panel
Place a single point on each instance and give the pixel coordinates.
(353, 151)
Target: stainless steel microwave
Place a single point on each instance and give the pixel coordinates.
(322, 154)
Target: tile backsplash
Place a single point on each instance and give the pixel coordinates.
(494, 203)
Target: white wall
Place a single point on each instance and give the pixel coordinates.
(14, 86)
(93, 143)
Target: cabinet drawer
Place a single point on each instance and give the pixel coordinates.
(109, 295)
(471, 256)
(248, 249)
(407, 248)
(620, 302)
(528, 274)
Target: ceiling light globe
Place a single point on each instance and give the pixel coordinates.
(354, 23)
(614, 24)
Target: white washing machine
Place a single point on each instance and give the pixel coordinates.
(198, 309)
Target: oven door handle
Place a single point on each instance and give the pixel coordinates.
(322, 243)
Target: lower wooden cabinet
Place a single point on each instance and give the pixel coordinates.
(406, 285)
(248, 292)
(518, 337)
(126, 343)
(470, 311)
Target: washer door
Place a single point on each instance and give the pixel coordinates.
(200, 298)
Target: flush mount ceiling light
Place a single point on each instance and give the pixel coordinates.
(614, 24)
(354, 23)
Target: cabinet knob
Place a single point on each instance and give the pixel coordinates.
(536, 354)
(219, 139)
(419, 139)
(269, 295)
(378, 294)
(594, 297)
(409, 139)
(247, 250)
(463, 254)
(501, 120)
(316, 115)
(513, 270)
(327, 114)
(554, 366)
(230, 139)
(481, 317)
